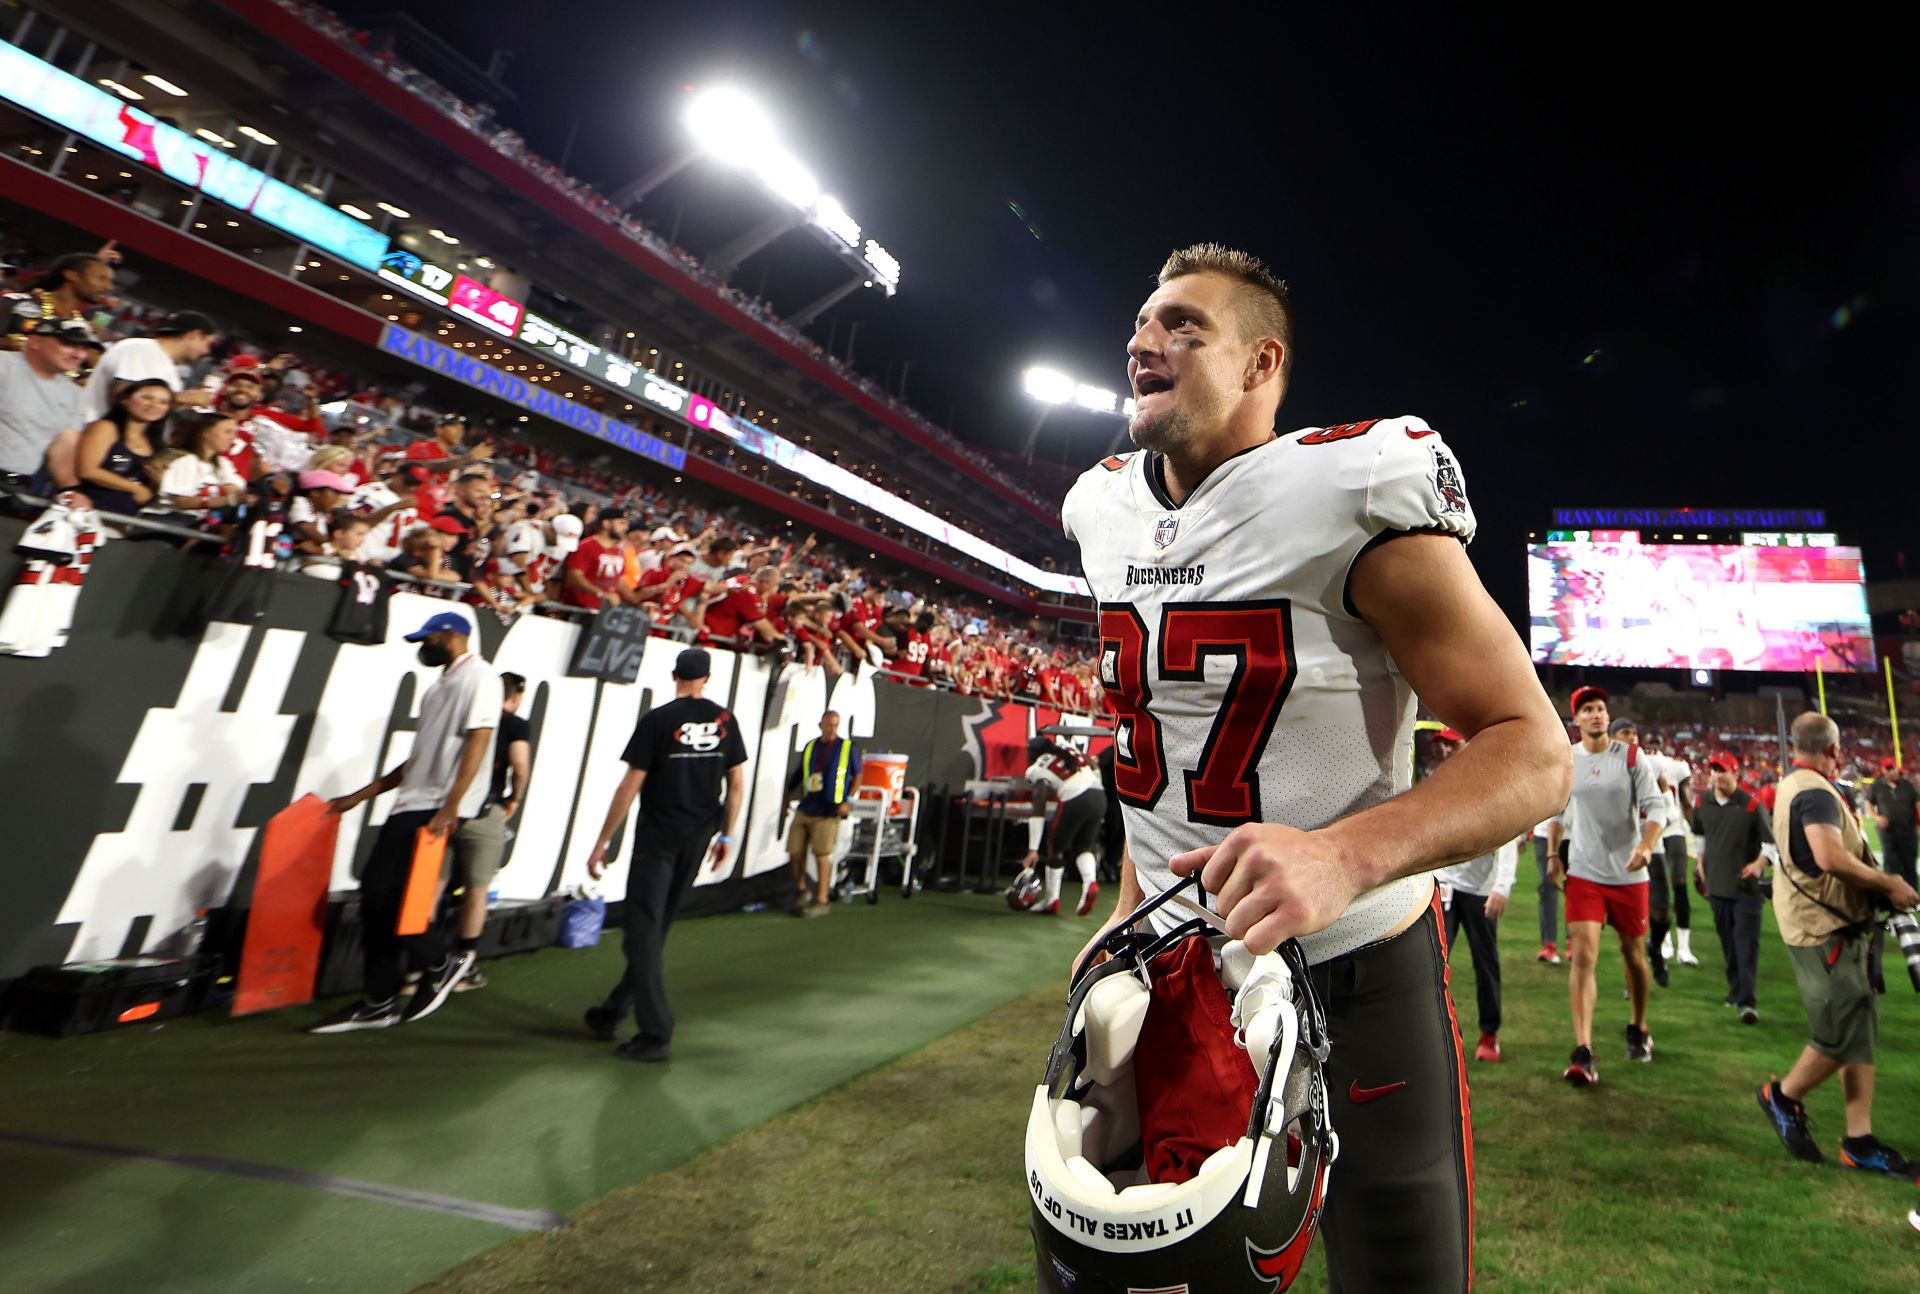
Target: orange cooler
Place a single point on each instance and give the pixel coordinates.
(888, 773)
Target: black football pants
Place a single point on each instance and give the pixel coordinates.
(1399, 1212)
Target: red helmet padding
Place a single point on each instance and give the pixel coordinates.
(1195, 1086)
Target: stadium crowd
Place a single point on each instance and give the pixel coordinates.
(171, 420)
(481, 119)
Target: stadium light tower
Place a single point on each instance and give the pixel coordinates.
(1051, 388)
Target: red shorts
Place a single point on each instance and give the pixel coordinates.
(1624, 907)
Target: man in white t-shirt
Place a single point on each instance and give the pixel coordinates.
(182, 340)
(441, 783)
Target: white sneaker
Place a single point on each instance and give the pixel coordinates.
(1685, 955)
(1666, 947)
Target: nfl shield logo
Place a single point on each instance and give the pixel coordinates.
(1164, 530)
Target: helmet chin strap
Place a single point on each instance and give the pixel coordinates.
(1207, 915)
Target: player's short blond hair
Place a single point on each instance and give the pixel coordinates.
(1265, 308)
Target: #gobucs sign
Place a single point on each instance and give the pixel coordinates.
(1164, 531)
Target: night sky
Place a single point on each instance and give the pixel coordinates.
(1635, 262)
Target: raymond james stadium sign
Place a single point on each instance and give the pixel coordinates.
(396, 340)
(1700, 518)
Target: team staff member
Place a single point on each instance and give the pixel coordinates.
(1896, 811)
(680, 755)
(1334, 560)
(440, 784)
(1733, 834)
(1823, 899)
(1073, 829)
(828, 772)
(1475, 894)
(483, 838)
(1612, 823)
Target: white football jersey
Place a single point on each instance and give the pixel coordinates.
(1246, 688)
(1675, 771)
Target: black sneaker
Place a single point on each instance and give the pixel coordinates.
(437, 984)
(1580, 1069)
(361, 1015)
(602, 1021)
(1661, 975)
(644, 1051)
(1789, 1120)
(1639, 1044)
(1871, 1155)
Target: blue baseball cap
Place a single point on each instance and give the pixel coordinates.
(447, 622)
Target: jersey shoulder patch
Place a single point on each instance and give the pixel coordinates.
(1116, 462)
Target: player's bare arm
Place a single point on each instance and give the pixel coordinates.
(1463, 659)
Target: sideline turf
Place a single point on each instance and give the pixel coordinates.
(502, 1097)
(1666, 1177)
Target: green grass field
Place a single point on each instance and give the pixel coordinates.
(844, 1113)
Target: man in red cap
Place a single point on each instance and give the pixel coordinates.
(1612, 825)
(1734, 836)
(1896, 811)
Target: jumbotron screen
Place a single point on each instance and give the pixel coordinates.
(1698, 606)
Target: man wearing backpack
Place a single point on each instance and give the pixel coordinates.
(1613, 824)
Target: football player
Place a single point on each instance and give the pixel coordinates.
(1072, 830)
(1269, 607)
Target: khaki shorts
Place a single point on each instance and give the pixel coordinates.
(1842, 1013)
(811, 835)
(478, 844)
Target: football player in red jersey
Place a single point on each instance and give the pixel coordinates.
(1241, 573)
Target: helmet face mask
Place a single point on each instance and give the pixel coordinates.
(1246, 1218)
(1024, 893)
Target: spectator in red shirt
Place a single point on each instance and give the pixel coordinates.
(665, 591)
(741, 610)
(239, 394)
(443, 454)
(593, 571)
(915, 646)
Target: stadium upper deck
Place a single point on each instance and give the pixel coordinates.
(606, 299)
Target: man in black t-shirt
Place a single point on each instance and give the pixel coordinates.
(1896, 811)
(1734, 832)
(482, 839)
(680, 756)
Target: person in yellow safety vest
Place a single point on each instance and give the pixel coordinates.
(828, 773)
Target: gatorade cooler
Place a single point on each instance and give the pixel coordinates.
(888, 773)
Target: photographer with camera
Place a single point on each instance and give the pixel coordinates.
(1825, 892)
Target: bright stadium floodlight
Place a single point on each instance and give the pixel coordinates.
(1049, 386)
(832, 217)
(781, 171)
(1095, 400)
(1052, 387)
(731, 126)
